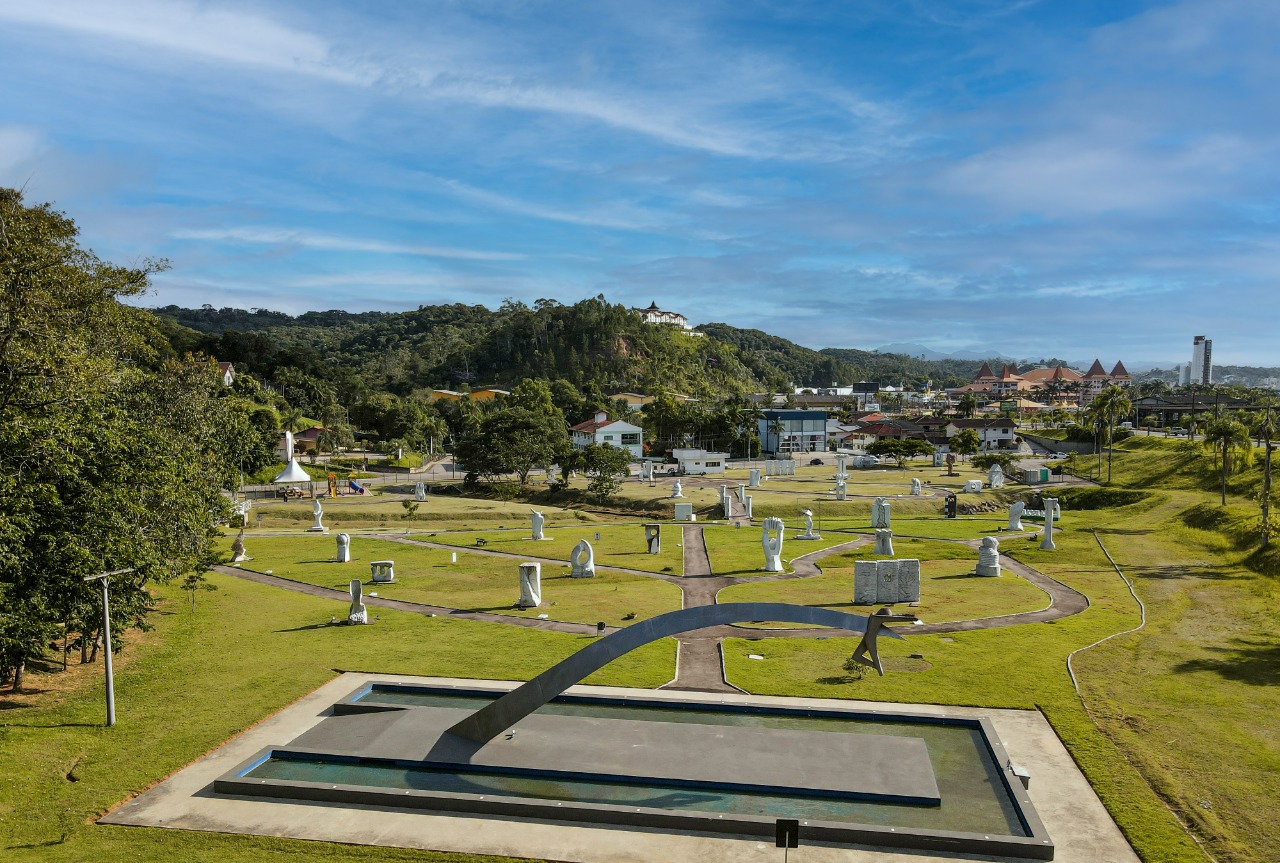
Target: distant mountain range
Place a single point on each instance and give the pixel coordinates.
(920, 351)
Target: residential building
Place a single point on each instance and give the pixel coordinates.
(784, 431)
(655, 315)
(992, 433)
(227, 373)
(602, 430)
(698, 461)
(480, 394)
(635, 401)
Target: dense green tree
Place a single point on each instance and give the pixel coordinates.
(109, 456)
(512, 440)
(900, 449)
(965, 442)
(602, 464)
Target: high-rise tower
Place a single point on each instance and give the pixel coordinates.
(1200, 370)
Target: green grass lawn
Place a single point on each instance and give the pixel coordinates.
(738, 552)
(620, 545)
(1182, 716)
(437, 512)
(948, 589)
(475, 583)
(202, 676)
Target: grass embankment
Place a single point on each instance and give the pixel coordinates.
(948, 588)
(1191, 701)
(205, 675)
(476, 582)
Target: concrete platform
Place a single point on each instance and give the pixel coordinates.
(1081, 829)
(813, 763)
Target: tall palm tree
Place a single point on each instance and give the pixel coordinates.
(967, 404)
(1111, 404)
(1230, 440)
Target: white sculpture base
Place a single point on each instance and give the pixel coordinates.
(809, 536)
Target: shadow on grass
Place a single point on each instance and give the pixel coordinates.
(1180, 571)
(1123, 531)
(973, 575)
(1254, 662)
(309, 627)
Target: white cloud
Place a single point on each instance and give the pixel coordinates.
(204, 30)
(326, 242)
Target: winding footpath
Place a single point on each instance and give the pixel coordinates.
(700, 656)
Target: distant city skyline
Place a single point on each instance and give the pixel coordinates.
(1084, 179)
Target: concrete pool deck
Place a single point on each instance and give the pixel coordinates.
(1080, 827)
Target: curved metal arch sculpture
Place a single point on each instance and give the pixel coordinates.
(497, 716)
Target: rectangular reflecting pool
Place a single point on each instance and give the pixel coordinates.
(371, 753)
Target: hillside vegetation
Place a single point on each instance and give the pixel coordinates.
(589, 342)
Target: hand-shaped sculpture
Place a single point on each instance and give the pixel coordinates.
(771, 540)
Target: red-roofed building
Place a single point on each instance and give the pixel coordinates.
(602, 430)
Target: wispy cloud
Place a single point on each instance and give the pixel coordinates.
(331, 243)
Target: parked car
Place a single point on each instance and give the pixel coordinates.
(1058, 455)
(1177, 431)
(815, 461)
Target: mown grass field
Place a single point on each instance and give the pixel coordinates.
(477, 582)
(202, 676)
(948, 588)
(1184, 715)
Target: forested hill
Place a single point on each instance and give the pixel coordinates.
(589, 342)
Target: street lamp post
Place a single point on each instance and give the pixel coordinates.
(101, 578)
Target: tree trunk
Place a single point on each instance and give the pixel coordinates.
(17, 676)
(1266, 486)
(1224, 473)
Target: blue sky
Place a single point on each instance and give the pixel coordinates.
(1073, 179)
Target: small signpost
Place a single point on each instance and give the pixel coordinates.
(787, 835)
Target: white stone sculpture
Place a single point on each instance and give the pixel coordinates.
(344, 548)
(684, 512)
(1046, 541)
(915, 487)
(382, 571)
(653, 538)
(237, 548)
(677, 489)
(582, 560)
(420, 491)
(742, 492)
(1015, 515)
(989, 557)
(753, 479)
(809, 532)
(880, 513)
(972, 486)
(530, 585)
(537, 520)
(243, 507)
(840, 468)
(727, 503)
(881, 582)
(318, 512)
(746, 507)
(884, 541)
(771, 539)
(358, 613)
(646, 470)
(939, 458)
(841, 490)
(995, 476)
(768, 469)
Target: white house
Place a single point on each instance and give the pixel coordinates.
(602, 430)
(697, 461)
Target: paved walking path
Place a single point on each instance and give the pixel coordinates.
(700, 662)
